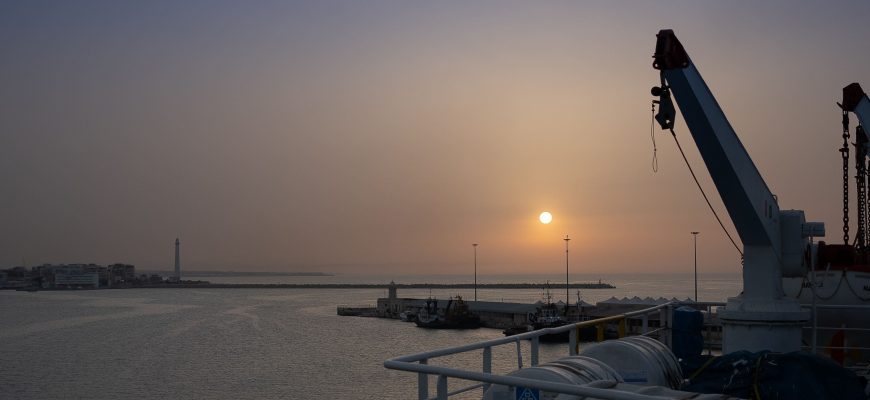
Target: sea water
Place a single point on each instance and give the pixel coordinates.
(256, 343)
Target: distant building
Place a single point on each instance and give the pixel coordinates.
(121, 274)
(72, 276)
(69, 275)
(76, 276)
(18, 273)
(103, 273)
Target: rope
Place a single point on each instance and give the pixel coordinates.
(833, 293)
(655, 160)
(699, 370)
(755, 377)
(851, 289)
(715, 214)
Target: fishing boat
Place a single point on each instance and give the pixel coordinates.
(408, 316)
(548, 315)
(455, 315)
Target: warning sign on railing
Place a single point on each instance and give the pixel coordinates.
(528, 394)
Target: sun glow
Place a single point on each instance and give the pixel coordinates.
(545, 217)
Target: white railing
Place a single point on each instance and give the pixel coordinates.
(419, 363)
(815, 328)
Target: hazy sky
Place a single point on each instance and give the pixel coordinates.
(386, 137)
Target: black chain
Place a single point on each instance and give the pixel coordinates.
(844, 151)
(863, 205)
(861, 190)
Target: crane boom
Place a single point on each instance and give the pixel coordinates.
(856, 101)
(749, 202)
(774, 241)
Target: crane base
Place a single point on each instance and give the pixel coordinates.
(758, 324)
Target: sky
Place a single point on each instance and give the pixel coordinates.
(386, 137)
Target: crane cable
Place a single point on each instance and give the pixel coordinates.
(703, 193)
(715, 214)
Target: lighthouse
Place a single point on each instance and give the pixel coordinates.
(177, 277)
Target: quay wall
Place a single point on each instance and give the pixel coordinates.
(492, 314)
(500, 315)
(392, 286)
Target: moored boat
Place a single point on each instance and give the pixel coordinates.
(456, 315)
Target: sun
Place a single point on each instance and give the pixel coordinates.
(545, 217)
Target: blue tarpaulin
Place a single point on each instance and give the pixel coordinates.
(765, 375)
(687, 338)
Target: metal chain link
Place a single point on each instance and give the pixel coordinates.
(860, 191)
(866, 209)
(861, 138)
(844, 152)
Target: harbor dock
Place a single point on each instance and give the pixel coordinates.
(506, 315)
(493, 314)
(499, 315)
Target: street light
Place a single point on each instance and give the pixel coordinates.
(475, 270)
(567, 298)
(695, 234)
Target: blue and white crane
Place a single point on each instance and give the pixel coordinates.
(856, 101)
(775, 242)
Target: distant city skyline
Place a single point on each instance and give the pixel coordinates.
(384, 137)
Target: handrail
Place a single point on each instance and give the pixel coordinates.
(526, 335)
(584, 390)
(841, 306)
(814, 347)
(419, 362)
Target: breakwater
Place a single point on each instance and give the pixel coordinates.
(378, 285)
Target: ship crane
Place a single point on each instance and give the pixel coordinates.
(775, 242)
(857, 102)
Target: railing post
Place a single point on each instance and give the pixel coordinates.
(670, 335)
(487, 364)
(519, 355)
(423, 383)
(620, 330)
(599, 333)
(442, 387)
(535, 342)
(815, 314)
(574, 341)
(663, 323)
(645, 324)
(815, 338)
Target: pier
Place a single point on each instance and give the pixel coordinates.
(505, 315)
(493, 314)
(203, 285)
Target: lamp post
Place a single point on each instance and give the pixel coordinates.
(475, 270)
(567, 299)
(695, 234)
